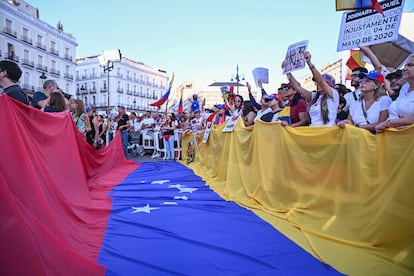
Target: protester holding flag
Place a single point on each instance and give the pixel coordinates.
(296, 106)
(323, 104)
(401, 111)
(372, 107)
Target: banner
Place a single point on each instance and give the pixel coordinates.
(367, 27)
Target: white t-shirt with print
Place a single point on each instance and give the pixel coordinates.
(403, 106)
(373, 112)
(315, 110)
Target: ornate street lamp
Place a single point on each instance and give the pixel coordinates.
(238, 77)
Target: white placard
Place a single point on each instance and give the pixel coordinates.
(231, 123)
(368, 27)
(261, 73)
(294, 59)
(207, 132)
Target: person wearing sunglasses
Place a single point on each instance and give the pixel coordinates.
(372, 107)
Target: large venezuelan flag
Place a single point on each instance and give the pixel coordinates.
(54, 210)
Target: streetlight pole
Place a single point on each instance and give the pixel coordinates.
(108, 68)
(238, 77)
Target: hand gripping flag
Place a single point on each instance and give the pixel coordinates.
(164, 97)
(358, 4)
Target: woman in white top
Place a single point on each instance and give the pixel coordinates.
(323, 104)
(402, 109)
(372, 107)
(236, 108)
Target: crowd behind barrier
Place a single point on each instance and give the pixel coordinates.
(345, 195)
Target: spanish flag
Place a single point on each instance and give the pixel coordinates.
(355, 60)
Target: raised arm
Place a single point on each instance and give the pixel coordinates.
(374, 59)
(252, 99)
(318, 77)
(296, 85)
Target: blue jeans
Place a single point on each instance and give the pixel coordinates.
(124, 137)
(169, 147)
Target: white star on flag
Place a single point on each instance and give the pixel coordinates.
(178, 186)
(146, 209)
(187, 190)
(159, 182)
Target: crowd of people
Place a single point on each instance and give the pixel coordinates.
(381, 99)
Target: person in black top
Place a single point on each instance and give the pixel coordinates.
(10, 74)
(123, 126)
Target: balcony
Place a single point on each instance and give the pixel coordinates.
(10, 32)
(68, 76)
(129, 92)
(28, 63)
(41, 67)
(68, 57)
(27, 40)
(55, 72)
(92, 90)
(120, 90)
(53, 51)
(12, 56)
(104, 89)
(41, 46)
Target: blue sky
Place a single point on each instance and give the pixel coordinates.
(201, 39)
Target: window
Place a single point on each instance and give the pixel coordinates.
(26, 55)
(104, 84)
(85, 100)
(53, 63)
(9, 24)
(93, 100)
(67, 69)
(93, 86)
(39, 39)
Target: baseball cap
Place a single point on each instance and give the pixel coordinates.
(37, 97)
(373, 75)
(88, 108)
(285, 86)
(274, 96)
(394, 75)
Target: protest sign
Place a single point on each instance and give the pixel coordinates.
(367, 27)
(261, 73)
(207, 132)
(231, 123)
(294, 59)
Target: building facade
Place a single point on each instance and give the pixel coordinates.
(41, 51)
(129, 83)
